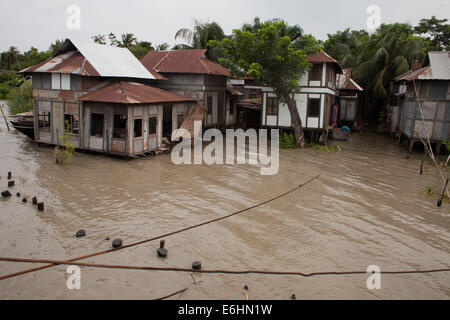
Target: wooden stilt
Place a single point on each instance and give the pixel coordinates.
(4, 117)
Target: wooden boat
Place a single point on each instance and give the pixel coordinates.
(24, 122)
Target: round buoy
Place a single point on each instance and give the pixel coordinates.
(162, 252)
(6, 194)
(196, 265)
(117, 243)
(80, 233)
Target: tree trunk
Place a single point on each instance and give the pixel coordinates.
(296, 122)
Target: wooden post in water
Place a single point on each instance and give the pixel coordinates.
(4, 117)
(439, 204)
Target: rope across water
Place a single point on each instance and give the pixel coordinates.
(15, 274)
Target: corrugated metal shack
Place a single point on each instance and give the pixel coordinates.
(97, 92)
(432, 84)
(191, 73)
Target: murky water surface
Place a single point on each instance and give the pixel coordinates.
(365, 209)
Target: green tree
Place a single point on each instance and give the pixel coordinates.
(436, 31)
(10, 58)
(198, 37)
(128, 40)
(308, 44)
(141, 48)
(269, 57)
(100, 39)
(386, 55)
(54, 47)
(162, 47)
(345, 46)
(20, 99)
(112, 39)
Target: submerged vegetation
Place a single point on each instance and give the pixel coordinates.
(325, 147)
(431, 192)
(65, 151)
(287, 140)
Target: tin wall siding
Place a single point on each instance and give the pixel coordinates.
(437, 124)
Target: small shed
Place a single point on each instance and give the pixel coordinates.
(423, 98)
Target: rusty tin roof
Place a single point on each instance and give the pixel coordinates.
(345, 81)
(183, 61)
(322, 56)
(438, 68)
(133, 93)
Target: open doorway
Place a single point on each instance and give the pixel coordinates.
(167, 121)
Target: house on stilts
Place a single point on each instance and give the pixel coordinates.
(110, 102)
(191, 73)
(421, 102)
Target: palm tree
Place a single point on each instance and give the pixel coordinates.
(128, 39)
(162, 47)
(10, 56)
(54, 47)
(253, 28)
(292, 31)
(386, 55)
(198, 37)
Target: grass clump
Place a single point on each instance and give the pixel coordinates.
(65, 151)
(431, 192)
(326, 148)
(287, 141)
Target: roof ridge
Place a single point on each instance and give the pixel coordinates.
(160, 61)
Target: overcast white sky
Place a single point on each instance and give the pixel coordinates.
(26, 23)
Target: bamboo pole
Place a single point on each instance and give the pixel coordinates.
(4, 117)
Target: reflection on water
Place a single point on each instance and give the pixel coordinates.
(364, 209)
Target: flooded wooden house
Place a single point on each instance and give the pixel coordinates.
(349, 93)
(318, 91)
(97, 92)
(191, 73)
(423, 100)
(249, 103)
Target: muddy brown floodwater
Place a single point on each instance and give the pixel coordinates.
(365, 209)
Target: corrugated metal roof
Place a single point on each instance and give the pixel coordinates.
(133, 93)
(94, 59)
(322, 56)
(439, 68)
(345, 81)
(68, 62)
(183, 61)
(231, 89)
